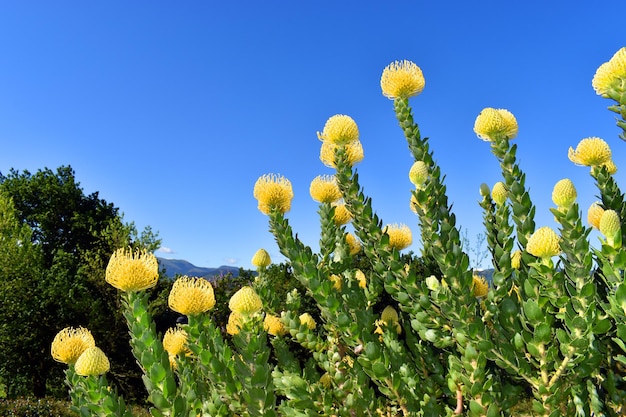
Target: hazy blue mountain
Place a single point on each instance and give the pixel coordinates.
(175, 267)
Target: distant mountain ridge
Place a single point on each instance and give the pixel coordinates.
(175, 267)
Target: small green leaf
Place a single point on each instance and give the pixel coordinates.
(533, 312)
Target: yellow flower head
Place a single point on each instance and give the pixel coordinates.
(324, 189)
(493, 124)
(516, 259)
(564, 193)
(353, 244)
(418, 174)
(590, 152)
(413, 204)
(400, 236)
(70, 343)
(611, 76)
(130, 270)
(273, 192)
(610, 167)
(340, 130)
(245, 301)
(175, 341)
(191, 296)
(342, 215)
(402, 79)
(499, 193)
(544, 243)
(389, 315)
(610, 224)
(594, 214)
(360, 278)
(261, 259)
(354, 150)
(337, 281)
(480, 286)
(235, 321)
(306, 319)
(274, 325)
(92, 361)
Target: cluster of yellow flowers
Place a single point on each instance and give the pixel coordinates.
(76, 346)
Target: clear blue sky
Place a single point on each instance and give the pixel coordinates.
(172, 110)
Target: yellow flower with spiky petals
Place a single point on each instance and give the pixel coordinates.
(402, 79)
(342, 215)
(191, 296)
(544, 243)
(499, 193)
(354, 152)
(594, 214)
(400, 236)
(340, 130)
(175, 341)
(235, 321)
(273, 325)
(337, 281)
(611, 75)
(590, 151)
(324, 189)
(418, 174)
(92, 362)
(273, 192)
(480, 286)
(360, 278)
(261, 259)
(353, 244)
(132, 270)
(70, 343)
(308, 320)
(245, 301)
(611, 226)
(564, 193)
(494, 124)
(516, 259)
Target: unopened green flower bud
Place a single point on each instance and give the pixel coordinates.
(484, 190)
(499, 193)
(432, 283)
(418, 173)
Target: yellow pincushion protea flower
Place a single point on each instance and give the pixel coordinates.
(337, 281)
(400, 236)
(273, 192)
(499, 193)
(480, 286)
(611, 227)
(340, 130)
(494, 124)
(261, 259)
(360, 278)
(175, 341)
(342, 215)
(564, 193)
(353, 244)
(306, 319)
(590, 152)
(594, 214)
(610, 167)
(418, 174)
(402, 79)
(131, 271)
(516, 259)
(544, 243)
(245, 301)
(191, 296)
(235, 321)
(324, 189)
(611, 76)
(273, 325)
(92, 362)
(70, 343)
(354, 151)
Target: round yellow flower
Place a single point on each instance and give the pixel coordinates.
(493, 124)
(324, 189)
(235, 321)
(191, 296)
(306, 319)
(402, 79)
(480, 286)
(342, 215)
(354, 150)
(130, 270)
(564, 193)
(353, 244)
(400, 236)
(360, 278)
(418, 174)
(274, 325)
(273, 192)
(70, 343)
(499, 193)
(175, 341)
(92, 361)
(594, 214)
(245, 301)
(516, 259)
(340, 130)
(611, 76)
(590, 152)
(610, 224)
(261, 259)
(544, 243)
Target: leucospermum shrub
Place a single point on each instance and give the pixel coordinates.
(385, 339)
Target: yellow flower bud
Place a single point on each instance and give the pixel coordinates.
(307, 320)
(245, 301)
(611, 76)
(235, 321)
(400, 236)
(590, 151)
(413, 204)
(191, 296)
(360, 278)
(342, 215)
(353, 244)
(594, 214)
(354, 151)
(544, 243)
(516, 259)
(324, 189)
(326, 380)
(418, 174)
(92, 361)
(499, 193)
(274, 325)
(402, 79)
(389, 315)
(70, 343)
(131, 271)
(273, 192)
(175, 341)
(480, 286)
(564, 193)
(493, 124)
(610, 226)
(340, 130)
(261, 259)
(337, 281)
(610, 167)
